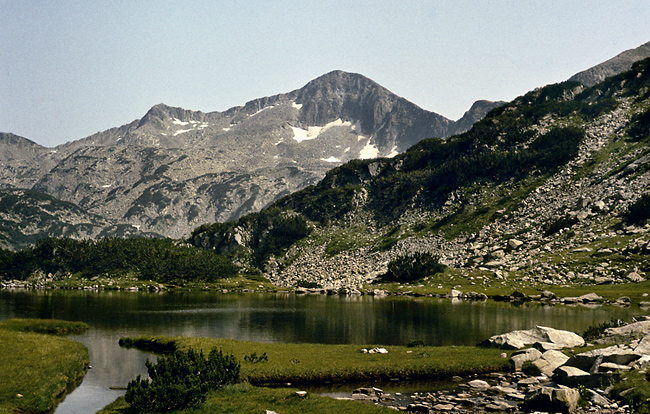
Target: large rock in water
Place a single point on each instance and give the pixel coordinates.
(539, 334)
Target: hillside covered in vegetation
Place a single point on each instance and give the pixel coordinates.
(554, 177)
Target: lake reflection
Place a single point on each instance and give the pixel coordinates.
(257, 317)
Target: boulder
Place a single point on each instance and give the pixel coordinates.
(596, 398)
(591, 360)
(548, 295)
(643, 347)
(550, 361)
(455, 294)
(552, 399)
(520, 357)
(589, 298)
(636, 328)
(479, 385)
(573, 377)
(635, 277)
(520, 339)
(514, 244)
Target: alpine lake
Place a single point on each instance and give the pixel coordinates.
(275, 317)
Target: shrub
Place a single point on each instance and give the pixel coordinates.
(411, 267)
(308, 285)
(254, 358)
(639, 211)
(181, 379)
(552, 227)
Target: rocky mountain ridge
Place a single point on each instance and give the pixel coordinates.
(619, 63)
(175, 169)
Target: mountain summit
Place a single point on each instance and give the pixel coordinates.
(175, 168)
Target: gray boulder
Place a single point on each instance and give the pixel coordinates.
(550, 361)
(520, 357)
(591, 360)
(520, 339)
(636, 328)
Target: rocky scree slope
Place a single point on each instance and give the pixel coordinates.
(175, 169)
(536, 191)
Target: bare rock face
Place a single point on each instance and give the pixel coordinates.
(23, 161)
(613, 66)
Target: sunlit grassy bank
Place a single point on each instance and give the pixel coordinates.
(36, 369)
(245, 399)
(305, 363)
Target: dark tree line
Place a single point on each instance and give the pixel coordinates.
(162, 260)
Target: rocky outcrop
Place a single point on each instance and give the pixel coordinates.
(613, 66)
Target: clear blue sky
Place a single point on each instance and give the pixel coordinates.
(71, 68)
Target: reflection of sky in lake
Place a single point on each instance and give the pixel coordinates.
(359, 320)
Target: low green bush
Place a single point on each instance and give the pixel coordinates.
(181, 379)
(412, 267)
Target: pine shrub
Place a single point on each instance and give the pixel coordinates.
(181, 379)
(412, 267)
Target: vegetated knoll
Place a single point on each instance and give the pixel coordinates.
(536, 192)
(296, 363)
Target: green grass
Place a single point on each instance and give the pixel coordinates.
(247, 399)
(37, 369)
(309, 363)
(44, 326)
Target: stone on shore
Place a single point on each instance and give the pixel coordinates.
(522, 338)
(552, 399)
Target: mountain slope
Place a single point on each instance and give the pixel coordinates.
(175, 169)
(23, 161)
(613, 66)
(27, 216)
(537, 190)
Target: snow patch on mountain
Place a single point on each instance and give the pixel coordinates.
(369, 151)
(262, 110)
(312, 132)
(331, 159)
(179, 122)
(182, 131)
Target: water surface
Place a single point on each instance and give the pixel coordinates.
(265, 317)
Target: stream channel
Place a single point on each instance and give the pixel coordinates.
(274, 317)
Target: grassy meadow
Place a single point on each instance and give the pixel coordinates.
(37, 368)
(309, 363)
